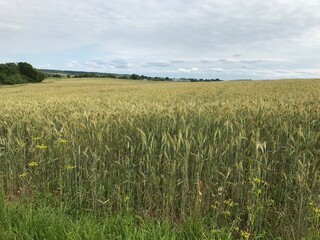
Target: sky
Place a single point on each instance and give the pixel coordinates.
(230, 39)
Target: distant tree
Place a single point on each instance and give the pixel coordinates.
(28, 72)
(56, 75)
(135, 77)
(12, 73)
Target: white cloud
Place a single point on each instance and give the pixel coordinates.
(184, 70)
(194, 69)
(44, 66)
(216, 69)
(9, 27)
(73, 64)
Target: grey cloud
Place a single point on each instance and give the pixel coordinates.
(177, 61)
(122, 64)
(157, 64)
(243, 60)
(73, 63)
(96, 63)
(7, 27)
(165, 36)
(258, 60)
(216, 69)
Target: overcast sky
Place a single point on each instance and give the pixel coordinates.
(230, 39)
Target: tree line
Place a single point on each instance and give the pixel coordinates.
(22, 72)
(70, 74)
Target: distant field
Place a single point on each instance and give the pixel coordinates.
(219, 160)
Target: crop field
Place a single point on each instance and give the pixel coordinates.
(160, 160)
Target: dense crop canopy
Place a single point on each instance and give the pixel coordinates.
(244, 156)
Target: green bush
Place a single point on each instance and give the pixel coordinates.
(12, 73)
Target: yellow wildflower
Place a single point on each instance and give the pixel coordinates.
(312, 203)
(214, 205)
(70, 167)
(244, 234)
(63, 141)
(316, 210)
(32, 164)
(42, 146)
(24, 174)
(258, 181)
(230, 203)
(126, 198)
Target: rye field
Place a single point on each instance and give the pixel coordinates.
(119, 159)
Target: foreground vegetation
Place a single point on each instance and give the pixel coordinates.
(21, 222)
(225, 160)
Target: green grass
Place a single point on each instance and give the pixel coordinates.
(162, 160)
(31, 223)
